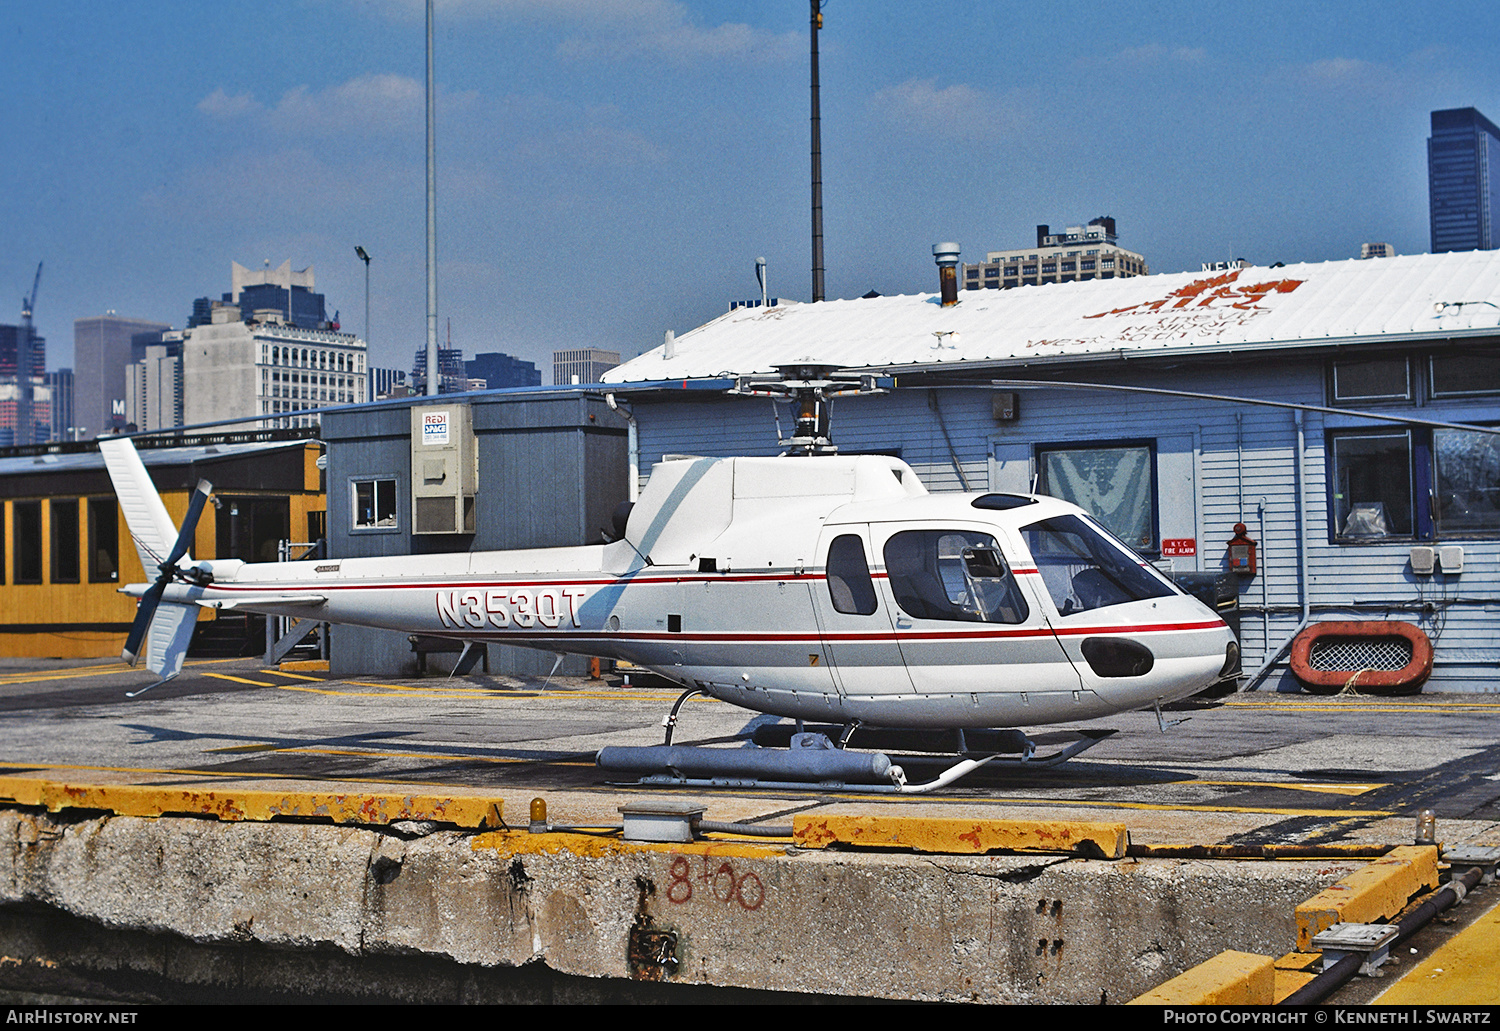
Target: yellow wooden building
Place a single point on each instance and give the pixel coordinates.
(66, 549)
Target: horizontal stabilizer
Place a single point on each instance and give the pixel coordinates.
(256, 601)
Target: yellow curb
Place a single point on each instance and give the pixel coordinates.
(1229, 979)
(956, 835)
(305, 665)
(375, 808)
(1294, 970)
(1370, 894)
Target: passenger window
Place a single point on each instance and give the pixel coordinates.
(953, 575)
(849, 583)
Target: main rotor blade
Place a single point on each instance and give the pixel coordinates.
(144, 610)
(189, 525)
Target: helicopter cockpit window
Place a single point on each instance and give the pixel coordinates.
(1084, 569)
(849, 583)
(952, 574)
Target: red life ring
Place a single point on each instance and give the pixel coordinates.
(1406, 680)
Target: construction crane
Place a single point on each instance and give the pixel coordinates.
(25, 430)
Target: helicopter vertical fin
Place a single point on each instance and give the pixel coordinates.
(150, 525)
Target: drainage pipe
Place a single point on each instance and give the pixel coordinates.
(633, 445)
(1330, 980)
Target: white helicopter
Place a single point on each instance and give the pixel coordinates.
(829, 588)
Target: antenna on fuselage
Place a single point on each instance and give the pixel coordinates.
(809, 387)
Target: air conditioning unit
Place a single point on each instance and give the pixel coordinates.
(444, 469)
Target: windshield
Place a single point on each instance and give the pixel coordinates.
(1083, 569)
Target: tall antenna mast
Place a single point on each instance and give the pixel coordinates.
(432, 326)
(817, 160)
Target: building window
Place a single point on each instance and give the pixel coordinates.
(1467, 482)
(26, 540)
(1115, 483)
(1371, 485)
(64, 512)
(992, 273)
(1374, 379)
(375, 504)
(104, 541)
(1465, 375)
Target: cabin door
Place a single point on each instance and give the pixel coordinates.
(855, 620)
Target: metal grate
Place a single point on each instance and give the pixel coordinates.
(1331, 654)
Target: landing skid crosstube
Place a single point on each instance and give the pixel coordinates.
(806, 759)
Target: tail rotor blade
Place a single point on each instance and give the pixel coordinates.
(144, 610)
(189, 525)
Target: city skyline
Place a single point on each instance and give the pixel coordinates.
(611, 170)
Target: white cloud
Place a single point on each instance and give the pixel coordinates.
(623, 29)
(219, 104)
(370, 104)
(959, 110)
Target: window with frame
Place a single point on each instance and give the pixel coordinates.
(1370, 381)
(1371, 489)
(26, 540)
(104, 541)
(850, 587)
(374, 504)
(952, 575)
(1466, 482)
(1466, 374)
(1115, 483)
(65, 556)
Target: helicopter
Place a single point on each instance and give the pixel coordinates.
(811, 586)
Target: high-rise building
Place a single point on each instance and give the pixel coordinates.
(1463, 181)
(60, 386)
(264, 371)
(25, 408)
(266, 295)
(454, 378)
(103, 346)
(581, 365)
(1376, 250)
(1078, 254)
(501, 370)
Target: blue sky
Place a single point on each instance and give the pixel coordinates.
(610, 169)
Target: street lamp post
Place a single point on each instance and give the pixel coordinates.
(364, 256)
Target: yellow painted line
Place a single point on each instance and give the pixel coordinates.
(949, 835)
(1377, 891)
(374, 754)
(1106, 803)
(1229, 979)
(1460, 973)
(251, 804)
(74, 672)
(1363, 704)
(1317, 789)
(295, 676)
(240, 680)
(369, 694)
(223, 774)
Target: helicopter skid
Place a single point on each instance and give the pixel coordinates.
(820, 767)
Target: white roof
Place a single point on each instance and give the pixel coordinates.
(1335, 302)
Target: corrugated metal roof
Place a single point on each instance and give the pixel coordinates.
(1343, 302)
(50, 463)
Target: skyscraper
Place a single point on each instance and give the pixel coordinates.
(1463, 181)
(103, 345)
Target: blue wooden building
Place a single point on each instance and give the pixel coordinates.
(1375, 495)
